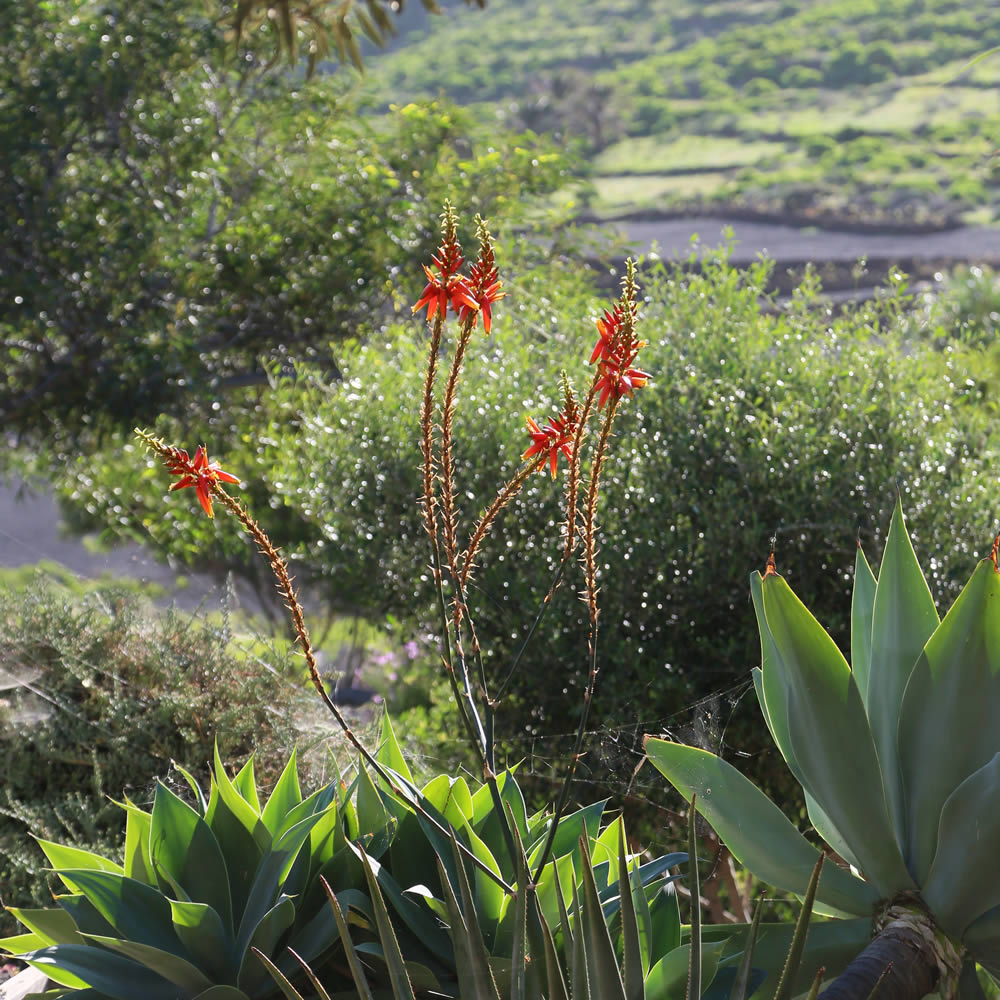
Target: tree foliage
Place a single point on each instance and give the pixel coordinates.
(176, 213)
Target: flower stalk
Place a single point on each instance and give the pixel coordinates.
(177, 463)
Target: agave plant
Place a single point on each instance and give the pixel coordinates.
(200, 889)
(210, 896)
(899, 760)
(628, 945)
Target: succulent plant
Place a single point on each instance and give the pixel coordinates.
(200, 888)
(623, 945)
(899, 760)
(211, 896)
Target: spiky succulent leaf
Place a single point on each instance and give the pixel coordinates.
(694, 887)
(968, 833)
(395, 963)
(903, 619)
(631, 947)
(187, 977)
(114, 975)
(284, 797)
(797, 948)
(138, 863)
(753, 828)
(472, 961)
(862, 613)
(669, 977)
(186, 854)
(602, 964)
(63, 856)
(741, 983)
(357, 973)
(134, 910)
(954, 690)
(830, 736)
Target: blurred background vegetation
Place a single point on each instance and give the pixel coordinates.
(215, 246)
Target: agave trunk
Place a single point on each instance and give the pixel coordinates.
(913, 973)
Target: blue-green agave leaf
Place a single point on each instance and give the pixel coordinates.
(225, 791)
(62, 856)
(115, 975)
(196, 788)
(769, 683)
(395, 964)
(246, 784)
(183, 849)
(138, 864)
(420, 921)
(284, 797)
(200, 930)
(862, 613)
(85, 915)
(982, 938)
(775, 714)
(170, 966)
(389, 753)
(831, 944)
(962, 883)
(135, 910)
(269, 931)
(602, 962)
(954, 689)
(269, 881)
(472, 961)
(669, 977)
(753, 828)
(903, 619)
(222, 992)
(830, 736)
(633, 972)
(357, 972)
(50, 925)
(567, 839)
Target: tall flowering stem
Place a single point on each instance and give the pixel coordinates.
(615, 378)
(437, 297)
(469, 299)
(178, 463)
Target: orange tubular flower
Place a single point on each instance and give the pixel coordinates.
(484, 279)
(447, 287)
(198, 473)
(618, 379)
(616, 351)
(607, 327)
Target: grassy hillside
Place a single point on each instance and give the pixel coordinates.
(855, 109)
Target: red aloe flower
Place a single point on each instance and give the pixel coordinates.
(617, 378)
(616, 351)
(447, 287)
(198, 473)
(607, 327)
(555, 438)
(484, 279)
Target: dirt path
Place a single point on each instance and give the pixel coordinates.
(30, 533)
(788, 244)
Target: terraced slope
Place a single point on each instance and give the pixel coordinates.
(864, 111)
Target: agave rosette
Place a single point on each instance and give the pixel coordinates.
(897, 754)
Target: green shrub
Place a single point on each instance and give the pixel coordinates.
(756, 424)
(97, 697)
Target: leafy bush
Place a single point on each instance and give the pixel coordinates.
(97, 698)
(757, 423)
(226, 215)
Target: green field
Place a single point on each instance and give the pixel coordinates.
(800, 107)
